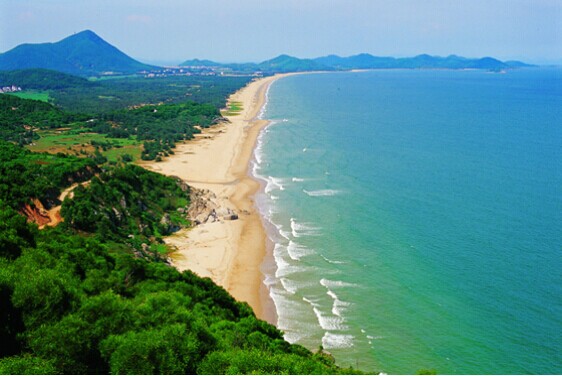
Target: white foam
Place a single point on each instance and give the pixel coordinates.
(285, 234)
(284, 267)
(266, 102)
(339, 306)
(326, 321)
(297, 251)
(303, 229)
(330, 284)
(289, 285)
(274, 183)
(337, 341)
(322, 192)
(297, 180)
(332, 261)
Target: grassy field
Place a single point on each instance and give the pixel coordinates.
(79, 142)
(233, 108)
(35, 95)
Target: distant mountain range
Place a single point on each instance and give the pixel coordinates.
(82, 54)
(286, 63)
(86, 54)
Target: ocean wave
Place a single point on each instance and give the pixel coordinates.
(297, 251)
(284, 267)
(289, 285)
(339, 306)
(263, 108)
(326, 321)
(274, 183)
(285, 234)
(303, 229)
(297, 180)
(332, 261)
(329, 284)
(337, 341)
(322, 192)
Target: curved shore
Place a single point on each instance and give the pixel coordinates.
(231, 253)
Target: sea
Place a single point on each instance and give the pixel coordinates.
(415, 218)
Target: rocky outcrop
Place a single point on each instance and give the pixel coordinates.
(205, 207)
(169, 226)
(36, 212)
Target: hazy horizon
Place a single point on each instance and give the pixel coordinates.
(169, 32)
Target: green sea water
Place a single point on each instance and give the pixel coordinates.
(416, 218)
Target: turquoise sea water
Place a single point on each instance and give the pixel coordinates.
(416, 218)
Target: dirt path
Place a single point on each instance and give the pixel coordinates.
(54, 213)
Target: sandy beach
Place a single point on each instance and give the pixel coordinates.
(229, 252)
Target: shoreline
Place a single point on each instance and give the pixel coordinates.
(231, 253)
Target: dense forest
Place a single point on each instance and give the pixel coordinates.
(79, 95)
(75, 305)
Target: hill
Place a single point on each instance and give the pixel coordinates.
(286, 63)
(42, 79)
(424, 61)
(82, 54)
(200, 63)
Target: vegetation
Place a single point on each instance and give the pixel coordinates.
(232, 108)
(127, 200)
(34, 95)
(117, 94)
(154, 128)
(74, 305)
(25, 175)
(159, 126)
(42, 79)
(83, 142)
(20, 117)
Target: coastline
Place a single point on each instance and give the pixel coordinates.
(231, 253)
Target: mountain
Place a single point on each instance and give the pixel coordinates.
(361, 61)
(279, 64)
(424, 61)
(82, 54)
(518, 64)
(200, 63)
(286, 63)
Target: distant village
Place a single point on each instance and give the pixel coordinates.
(9, 89)
(198, 71)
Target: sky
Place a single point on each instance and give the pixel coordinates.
(171, 31)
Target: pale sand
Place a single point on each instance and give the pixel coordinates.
(229, 252)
